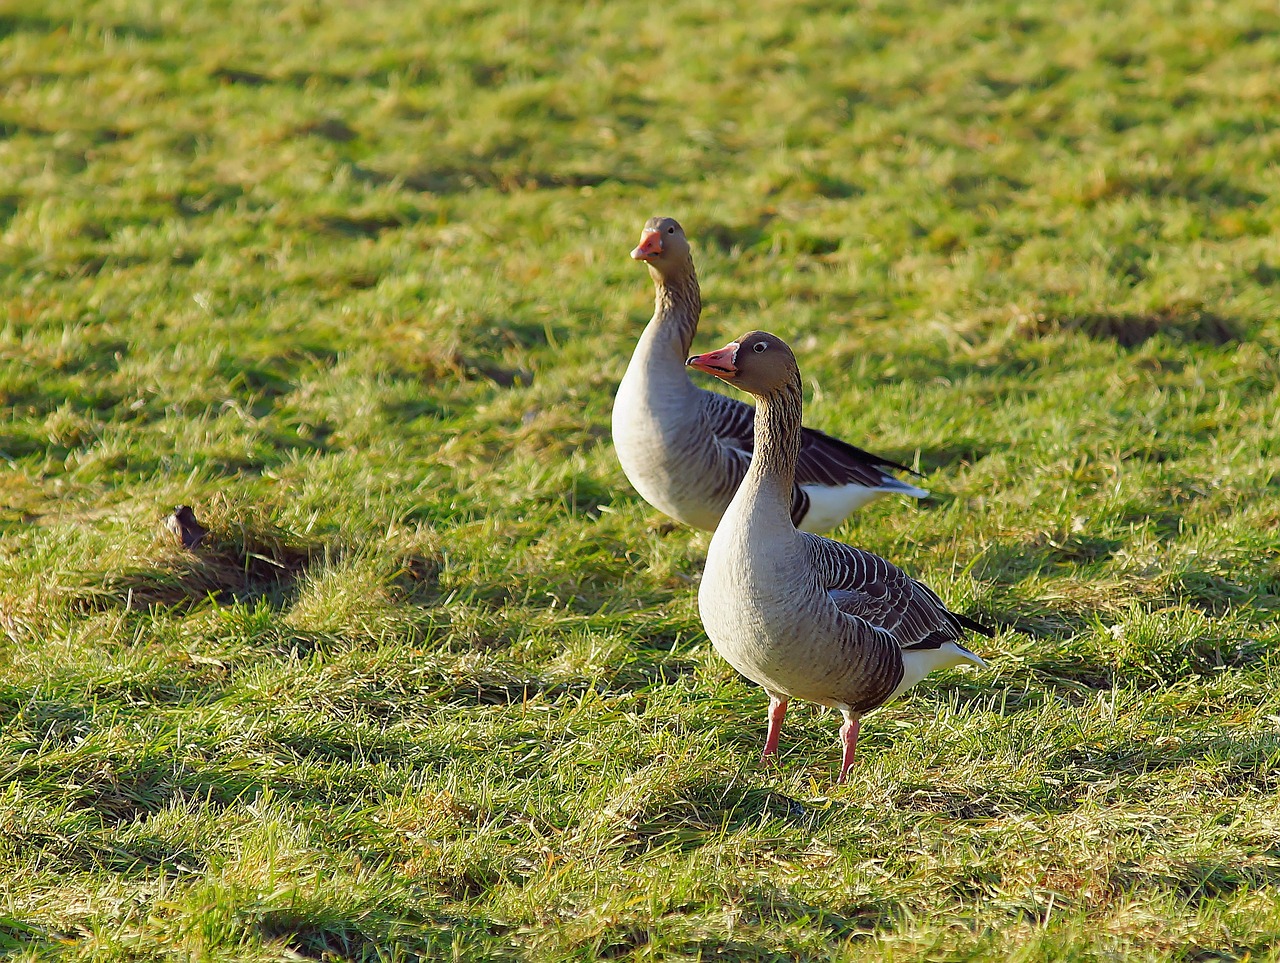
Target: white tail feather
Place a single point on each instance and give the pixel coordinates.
(918, 663)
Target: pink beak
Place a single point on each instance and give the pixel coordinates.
(650, 245)
(719, 363)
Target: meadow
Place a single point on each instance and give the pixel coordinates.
(352, 281)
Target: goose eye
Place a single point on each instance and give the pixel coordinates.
(758, 347)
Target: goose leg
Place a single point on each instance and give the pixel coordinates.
(777, 710)
(849, 738)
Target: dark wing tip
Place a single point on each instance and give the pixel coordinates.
(974, 626)
(858, 454)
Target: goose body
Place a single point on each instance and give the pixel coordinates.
(686, 449)
(801, 615)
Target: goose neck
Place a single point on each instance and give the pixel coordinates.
(677, 307)
(777, 444)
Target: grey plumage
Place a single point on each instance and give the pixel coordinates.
(799, 614)
(685, 449)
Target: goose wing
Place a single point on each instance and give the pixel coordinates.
(824, 460)
(730, 420)
(875, 590)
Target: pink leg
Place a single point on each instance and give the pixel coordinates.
(777, 710)
(849, 737)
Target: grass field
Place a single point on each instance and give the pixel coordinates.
(352, 281)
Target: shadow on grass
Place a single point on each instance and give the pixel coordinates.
(1011, 564)
(1199, 883)
(10, 128)
(1202, 188)
(369, 225)
(734, 237)
(691, 812)
(330, 933)
(206, 198)
(500, 690)
(1266, 273)
(768, 907)
(1042, 554)
(238, 76)
(245, 566)
(259, 384)
(962, 451)
(104, 803)
(10, 204)
(18, 936)
(1226, 953)
(977, 804)
(1111, 771)
(50, 723)
(24, 22)
(142, 855)
(1194, 325)
(242, 557)
(1214, 594)
(493, 174)
(1078, 677)
(1056, 624)
(740, 951)
(1239, 764)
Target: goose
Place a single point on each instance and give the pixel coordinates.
(801, 615)
(686, 449)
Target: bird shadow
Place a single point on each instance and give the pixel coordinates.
(693, 810)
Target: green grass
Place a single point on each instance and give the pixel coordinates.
(352, 280)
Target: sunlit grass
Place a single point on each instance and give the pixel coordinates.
(352, 281)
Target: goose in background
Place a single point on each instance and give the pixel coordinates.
(686, 449)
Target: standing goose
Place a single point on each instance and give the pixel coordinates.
(799, 614)
(686, 449)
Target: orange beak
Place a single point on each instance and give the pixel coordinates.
(650, 245)
(719, 363)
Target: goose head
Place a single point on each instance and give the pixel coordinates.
(664, 247)
(758, 362)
